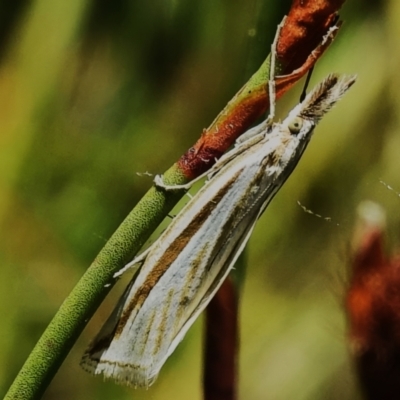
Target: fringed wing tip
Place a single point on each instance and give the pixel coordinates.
(128, 375)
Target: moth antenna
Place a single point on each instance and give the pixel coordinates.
(304, 92)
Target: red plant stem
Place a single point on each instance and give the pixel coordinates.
(306, 23)
(300, 44)
(221, 344)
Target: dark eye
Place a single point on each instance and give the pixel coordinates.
(295, 125)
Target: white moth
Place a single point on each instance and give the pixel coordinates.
(184, 268)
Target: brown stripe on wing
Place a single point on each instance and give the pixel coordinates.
(242, 208)
(163, 313)
(171, 254)
(186, 297)
(150, 322)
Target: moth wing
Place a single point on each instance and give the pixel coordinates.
(91, 360)
(94, 359)
(135, 342)
(241, 146)
(216, 283)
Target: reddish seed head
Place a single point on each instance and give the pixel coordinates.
(373, 308)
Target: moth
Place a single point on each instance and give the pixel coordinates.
(184, 268)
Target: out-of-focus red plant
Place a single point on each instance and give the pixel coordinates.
(373, 308)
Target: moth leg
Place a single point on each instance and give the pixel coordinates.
(159, 183)
(256, 130)
(271, 79)
(240, 147)
(267, 123)
(140, 259)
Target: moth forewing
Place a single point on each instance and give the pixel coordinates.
(192, 257)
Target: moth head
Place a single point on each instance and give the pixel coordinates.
(306, 115)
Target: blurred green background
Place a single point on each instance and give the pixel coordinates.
(92, 92)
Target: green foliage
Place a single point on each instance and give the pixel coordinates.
(91, 93)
